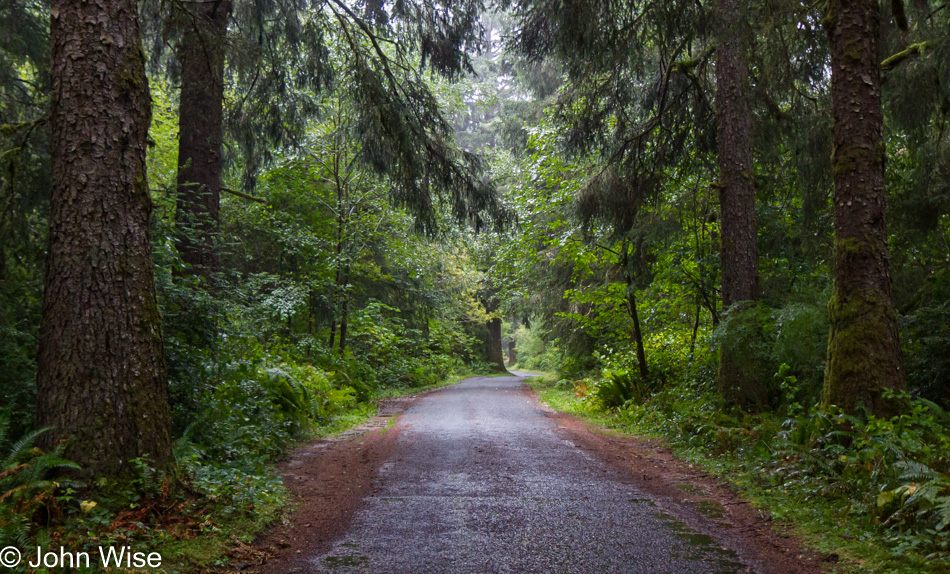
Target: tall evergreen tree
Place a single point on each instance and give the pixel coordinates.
(738, 253)
(864, 353)
(201, 116)
(101, 382)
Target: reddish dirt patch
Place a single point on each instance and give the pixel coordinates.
(704, 502)
(327, 479)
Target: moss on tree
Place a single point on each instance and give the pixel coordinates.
(859, 352)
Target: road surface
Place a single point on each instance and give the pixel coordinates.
(480, 480)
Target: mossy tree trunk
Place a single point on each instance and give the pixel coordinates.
(495, 356)
(864, 354)
(512, 352)
(738, 251)
(200, 126)
(101, 382)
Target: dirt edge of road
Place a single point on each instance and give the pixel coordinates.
(705, 503)
(327, 480)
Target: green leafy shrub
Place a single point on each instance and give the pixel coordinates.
(259, 408)
(800, 334)
(233, 490)
(615, 388)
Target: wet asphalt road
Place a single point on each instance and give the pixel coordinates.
(479, 481)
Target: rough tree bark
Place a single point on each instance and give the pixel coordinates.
(738, 252)
(200, 127)
(864, 354)
(101, 381)
(512, 352)
(495, 355)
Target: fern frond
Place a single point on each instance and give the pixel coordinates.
(942, 510)
(11, 471)
(918, 472)
(16, 531)
(16, 451)
(10, 493)
(942, 415)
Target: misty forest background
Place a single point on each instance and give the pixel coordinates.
(228, 226)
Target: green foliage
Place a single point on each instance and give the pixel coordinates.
(616, 388)
(882, 480)
(260, 406)
(926, 345)
(608, 170)
(30, 490)
(534, 353)
(790, 340)
(619, 382)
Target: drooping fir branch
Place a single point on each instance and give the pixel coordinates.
(411, 142)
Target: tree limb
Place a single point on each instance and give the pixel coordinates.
(244, 195)
(913, 50)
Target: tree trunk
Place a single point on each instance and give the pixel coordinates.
(495, 356)
(101, 381)
(344, 309)
(627, 253)
(340, 223)
(637, 334)
(343, 319)
(738, 252)
(692, 337)
(310, 305)
(200, 126)
(512, 353)
(864, 354)
(335, 296)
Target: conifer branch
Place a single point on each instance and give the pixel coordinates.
(243, 195)
(913, 50)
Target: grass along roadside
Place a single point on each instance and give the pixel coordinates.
(827, 523)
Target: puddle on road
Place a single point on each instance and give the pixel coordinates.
(699, 546)
(689, 488)
(344, 561)
(350, 557)
(711, 509)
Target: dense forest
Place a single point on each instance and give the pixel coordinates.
(230, 226)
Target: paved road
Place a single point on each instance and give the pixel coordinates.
(480, 482)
